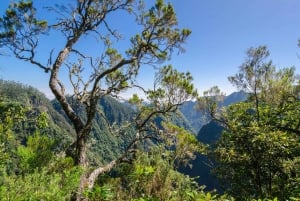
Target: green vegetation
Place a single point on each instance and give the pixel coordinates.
(151, 177)
(30, 168)
(33, 166)
(41, 172)
(258, 152)
(87, 145)
(110, 73)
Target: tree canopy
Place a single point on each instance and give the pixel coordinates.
(111, 72)
(258, 152)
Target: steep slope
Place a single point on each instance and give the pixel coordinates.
(203, 165)
(103, 144)
(193, 115)
(208, 134)
(107, 146)
(36, 101)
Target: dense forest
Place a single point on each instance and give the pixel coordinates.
(165, 143)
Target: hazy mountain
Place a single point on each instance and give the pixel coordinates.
(235, 97)
(195, 117)
(208, 134)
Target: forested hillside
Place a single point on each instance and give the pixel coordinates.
(203, 165)
(36, 103)
(103, 145)
(60, 128)
(33, 104)
(36, 132)
(88, 144)
(111, 114)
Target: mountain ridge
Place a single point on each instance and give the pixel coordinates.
(195, 117)
(103, 145)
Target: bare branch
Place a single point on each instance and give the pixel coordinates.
(108, 71)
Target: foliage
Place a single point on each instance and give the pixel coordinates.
(40, 185)
(261, 135)
(11, 114)
(254, 155)
(18, 17)
(151, 177)
(36, 154)
(32, 172)
(111, 72)
(36, 105)
(182, 144)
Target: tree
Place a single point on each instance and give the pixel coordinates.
(261, 137)
(112, 72)
(153, 175)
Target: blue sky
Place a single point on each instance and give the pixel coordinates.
(222, 31)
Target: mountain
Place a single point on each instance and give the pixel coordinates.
(106, 146)
(36, 102)
(210, 133)
(234, 97)
(195, 117)
(203, 165)
(103, 145)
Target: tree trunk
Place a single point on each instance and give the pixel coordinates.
(80, 159)
(87, 180)
(98, 171)
(83, 184)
